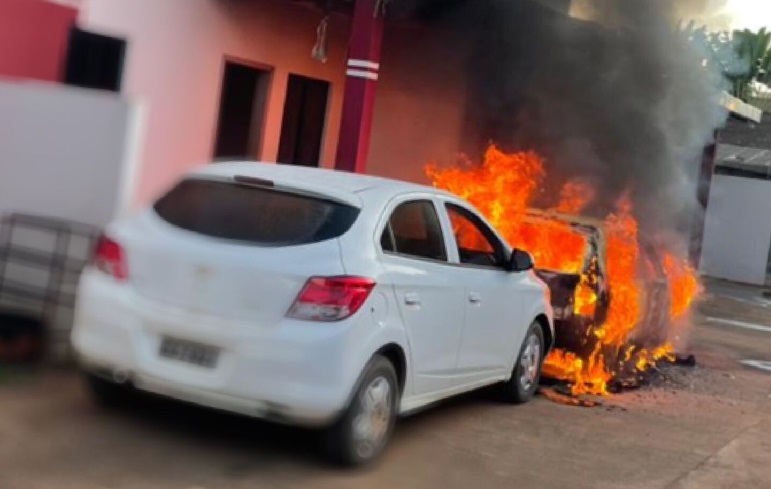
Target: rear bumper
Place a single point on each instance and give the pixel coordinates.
(303, 415)
(294, 372)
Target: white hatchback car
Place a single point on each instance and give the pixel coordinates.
(310, 297)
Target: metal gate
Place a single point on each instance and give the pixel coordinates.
(41, 259)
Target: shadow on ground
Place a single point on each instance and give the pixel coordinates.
(265, 441)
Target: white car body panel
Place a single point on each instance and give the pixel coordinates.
(235, 297)
(218, 277)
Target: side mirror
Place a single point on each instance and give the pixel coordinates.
(521, 261)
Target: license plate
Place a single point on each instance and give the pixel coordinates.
(189, 352)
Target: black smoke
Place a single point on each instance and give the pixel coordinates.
(622, 100)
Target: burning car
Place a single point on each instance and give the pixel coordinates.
(581, 299)
(620, 297)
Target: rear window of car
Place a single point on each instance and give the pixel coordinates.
(255, 215)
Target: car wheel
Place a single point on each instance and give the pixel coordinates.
(523, 384)
(363, 431)
(106, 393)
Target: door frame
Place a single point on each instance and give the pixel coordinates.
(270, 70)
(471, 274)
(386, 258)
(326, 121)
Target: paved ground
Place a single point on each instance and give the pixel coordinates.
(704, 428)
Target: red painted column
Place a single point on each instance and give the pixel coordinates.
(360, 86)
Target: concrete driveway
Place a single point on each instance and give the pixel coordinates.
(708, 427)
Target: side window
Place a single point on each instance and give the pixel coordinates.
(476, 243)
(414, 230)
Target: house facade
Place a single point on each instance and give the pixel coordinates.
(369, 86)
(205, 70)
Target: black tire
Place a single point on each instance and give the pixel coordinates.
(516, 390)
(342, 444)
(106, 393)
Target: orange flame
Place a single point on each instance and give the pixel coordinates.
(623, 314)
(586, 298)
(684, 283)
(622, 260)
(574, 197)
(503, 188)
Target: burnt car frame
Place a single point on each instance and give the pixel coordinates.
(574, 330)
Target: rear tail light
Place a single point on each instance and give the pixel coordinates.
(328, 299)
(110, 258)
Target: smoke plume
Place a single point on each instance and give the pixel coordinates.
(618, 98)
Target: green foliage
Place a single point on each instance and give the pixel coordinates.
(754, 49)
(743, 56)
(716, 47)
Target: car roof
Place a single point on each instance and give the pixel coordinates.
(340, 185)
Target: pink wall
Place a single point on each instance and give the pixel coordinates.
(420, 104)
(33, 38)
(174, 66)
(174, 63)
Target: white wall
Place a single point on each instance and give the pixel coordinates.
(737, 234)
(64, 152)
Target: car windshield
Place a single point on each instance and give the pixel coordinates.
(255, 215)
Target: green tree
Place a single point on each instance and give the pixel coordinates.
(754, 50)
(718, 49)
(743, 56)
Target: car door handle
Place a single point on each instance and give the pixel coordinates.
(412, 299)
(474, 297)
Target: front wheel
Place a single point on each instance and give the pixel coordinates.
(363, 431)
(523, 384)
